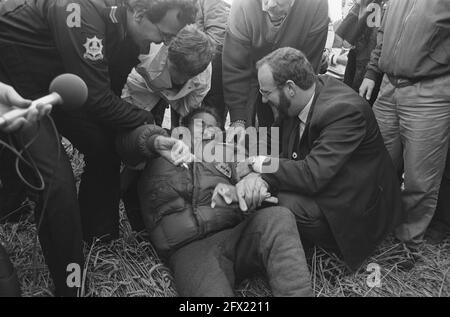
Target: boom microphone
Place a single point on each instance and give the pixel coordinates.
(67, 90)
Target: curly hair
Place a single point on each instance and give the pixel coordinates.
(288, 63)
(191, 51)
(155, 10)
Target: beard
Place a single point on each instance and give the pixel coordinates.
(284, 105)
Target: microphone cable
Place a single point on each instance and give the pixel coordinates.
(30, 163)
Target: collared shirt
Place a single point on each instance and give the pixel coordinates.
(150, 81)
(303, 116)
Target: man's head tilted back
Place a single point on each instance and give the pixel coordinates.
(158, 21)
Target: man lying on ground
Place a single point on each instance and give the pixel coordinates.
(209, 244)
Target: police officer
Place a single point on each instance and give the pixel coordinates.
(98, 40)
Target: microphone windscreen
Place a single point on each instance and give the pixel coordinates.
(72, 89)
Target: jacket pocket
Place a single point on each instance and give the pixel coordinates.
(439, 46)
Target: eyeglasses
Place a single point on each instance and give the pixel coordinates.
(166, 37)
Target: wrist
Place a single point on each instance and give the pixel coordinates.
(239, 123)
(258, 163)
(154, 143)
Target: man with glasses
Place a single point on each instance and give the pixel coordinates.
(256, 28)
(98, 40)
(334, 174)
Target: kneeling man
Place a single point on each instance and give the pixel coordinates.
(334, 173)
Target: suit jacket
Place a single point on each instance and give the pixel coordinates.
(341, 162)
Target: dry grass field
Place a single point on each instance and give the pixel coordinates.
(130, 267)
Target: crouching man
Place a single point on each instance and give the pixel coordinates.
(195, 222)
(334, 173)
(178, 74)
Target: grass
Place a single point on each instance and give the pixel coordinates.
(129, 268)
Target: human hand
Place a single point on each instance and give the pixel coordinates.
(10, 100)
(173, 150)
(366, 88)
(224, 195)
(251, 192)
(237, 128)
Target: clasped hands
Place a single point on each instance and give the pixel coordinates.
(249, 193)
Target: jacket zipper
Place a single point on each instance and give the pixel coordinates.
(194, 199)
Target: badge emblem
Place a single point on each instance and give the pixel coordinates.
(94, 49)
(224, 169)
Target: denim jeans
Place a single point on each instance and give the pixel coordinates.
(443, 208)
(415, 124)
(267, 242)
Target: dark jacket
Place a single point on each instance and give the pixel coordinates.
(357, 30)
(414, 41)
(342, 163)
(247, 41)
(176, 202)
(40, 39)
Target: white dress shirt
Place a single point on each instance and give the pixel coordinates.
(303, 116)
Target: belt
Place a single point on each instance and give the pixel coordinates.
(399, 82)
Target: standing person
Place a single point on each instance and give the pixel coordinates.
(360, 29)
(10, 99)
(440, 225)
(212, 18)
(413, 107)
(334, 173)
(99, 40)
(256, 28)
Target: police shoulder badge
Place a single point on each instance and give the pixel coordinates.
(94, 49)
(224, 169)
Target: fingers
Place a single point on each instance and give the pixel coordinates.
(184, 155)
(43, 110)
(15, 125)
(180, 153)
(237, 130)
(263, 194)
(32, 114)
(226, 195)
(369, 92)
(255, 192)
(214, 198)
(241, 197)
(362, 91)
(14, 99)
(366, 88)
